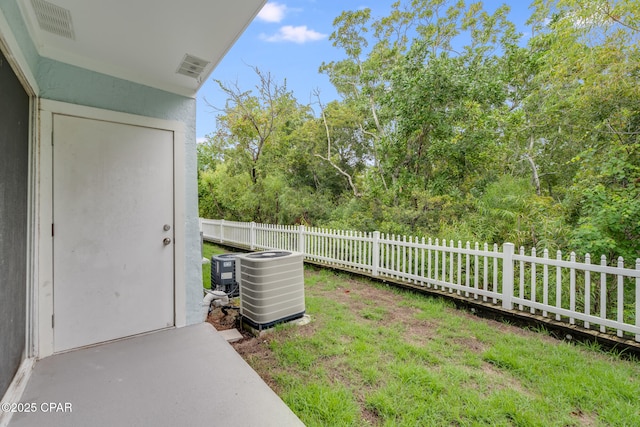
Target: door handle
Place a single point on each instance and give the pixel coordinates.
(166, 241)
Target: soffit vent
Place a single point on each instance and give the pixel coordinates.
(192, 66)
(54, 19)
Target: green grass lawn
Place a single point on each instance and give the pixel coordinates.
(373, 355)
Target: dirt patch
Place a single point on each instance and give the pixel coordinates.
(470, 343)
(363, 296)
(370, 417)
(222, 321)
(502, 380)
(230, 319)
(585, 420)
(420, 332)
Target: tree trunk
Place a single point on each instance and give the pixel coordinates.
(356, 193)
(535, 178)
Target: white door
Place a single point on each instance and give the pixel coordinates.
(113, 253)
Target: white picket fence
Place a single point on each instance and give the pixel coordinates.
(580, 293)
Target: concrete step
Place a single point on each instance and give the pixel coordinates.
(231, 335)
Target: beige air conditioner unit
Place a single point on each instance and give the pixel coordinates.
(271, 287)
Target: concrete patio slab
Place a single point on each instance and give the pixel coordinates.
(179, 377)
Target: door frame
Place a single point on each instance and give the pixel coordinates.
(45, 208)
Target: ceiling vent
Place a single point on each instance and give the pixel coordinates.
(54, 19)
(192, 66)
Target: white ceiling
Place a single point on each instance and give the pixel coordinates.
(145, 41)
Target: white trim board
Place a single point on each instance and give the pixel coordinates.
(45, 213)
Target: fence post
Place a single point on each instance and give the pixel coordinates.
(222, 231)
(252, 236)
(301, 240)
(638, 298)
(375, 252)
(507, 276)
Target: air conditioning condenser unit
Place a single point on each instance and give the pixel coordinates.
(271, 287)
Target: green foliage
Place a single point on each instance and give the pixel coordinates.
(508, 211)
(451, 126)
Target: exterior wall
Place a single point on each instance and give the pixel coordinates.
(11, 12)
(14, 173)
(57, 81)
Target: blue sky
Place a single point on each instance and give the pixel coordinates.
(289, 39)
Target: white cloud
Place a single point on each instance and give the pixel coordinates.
(272, 12)
(300, 34)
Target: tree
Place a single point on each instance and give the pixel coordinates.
(591, 61)
(348, 145)
(360, 77)
(250, 120)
